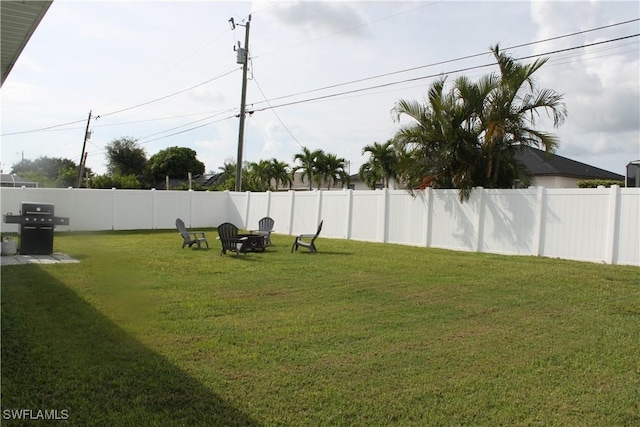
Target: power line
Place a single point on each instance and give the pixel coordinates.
(436, 75)
(276, 114)
(188, 130)
(44, 129)
(124, 109)
(141, 139)
(168, 96)
(54, 127)
(162, 118)
(448, 61)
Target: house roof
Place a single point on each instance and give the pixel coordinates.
(539, 163)
(18, 21)
(11, 180)
(205, 180)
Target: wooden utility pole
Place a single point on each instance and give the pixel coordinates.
(82, 156)
(243, 55)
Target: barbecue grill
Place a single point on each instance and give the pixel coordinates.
(37, 222)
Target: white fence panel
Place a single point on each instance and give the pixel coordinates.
(280, 211)
(133, 210)
(575, 223)
(510, 220)
(258, 209)
(453, 224)
(367, 220)
(236, 212)
(334, 211)
(208, 209)
(92, 210)
(407, 218)
(169, 205)
(306, 212)
(627, 230)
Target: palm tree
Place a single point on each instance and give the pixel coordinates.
(469, 135)
(308, 164)
(228, 175)
(280, 173)
(382, 163)
(442, 141)
(258, 176)
(369, 175)
(509, 117)
(333, 170)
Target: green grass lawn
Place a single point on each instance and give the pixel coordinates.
(142, 332)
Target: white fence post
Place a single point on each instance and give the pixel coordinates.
(540, 222)
(480, 218)
(268, 203)
(191, 193)
(319, 207)
(349, 213)
(292, 197)
(383, 216)
(113, 207)
(153, 209)
(429, 216)
(245, 220)
(610, 254)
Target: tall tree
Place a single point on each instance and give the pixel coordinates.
(280, 173)
(509, 117)
(258, 176)
(382, 164)
(227, 170)
(307, 164)
(175, 162)
(332, 169)
(441, 137)
(126, 157)
(468, 136)
(49, 171)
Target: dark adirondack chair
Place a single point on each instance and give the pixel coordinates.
(307, 240)
(191, 237)
(228, 236)
(265, 227)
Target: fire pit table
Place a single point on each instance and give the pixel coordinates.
(255, 242)
(36, 227)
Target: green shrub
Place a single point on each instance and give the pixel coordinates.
(595, 183)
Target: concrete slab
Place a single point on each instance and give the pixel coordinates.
(55, 258)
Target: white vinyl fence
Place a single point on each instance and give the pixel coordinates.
(596, 225)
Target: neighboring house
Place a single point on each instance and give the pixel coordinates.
(204, 180)
(553, 171)
(299, 185)
(355, 183)
(550, 171)
(11, 180)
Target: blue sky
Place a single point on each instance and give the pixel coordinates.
(323, 74)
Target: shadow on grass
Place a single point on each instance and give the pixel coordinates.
(320, 253)
(60, 353)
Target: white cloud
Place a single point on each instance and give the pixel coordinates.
(600, 83)
(320, 18)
